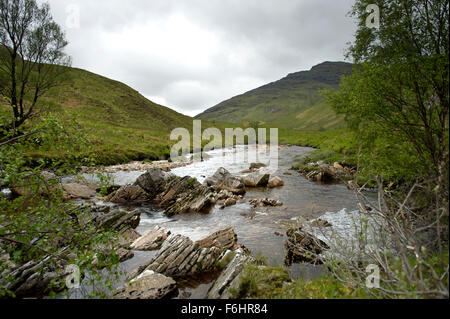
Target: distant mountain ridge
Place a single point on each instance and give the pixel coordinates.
(292, 102)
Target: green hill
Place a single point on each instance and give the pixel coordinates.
(121, 123)
(292, 102)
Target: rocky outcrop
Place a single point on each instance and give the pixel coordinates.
(148, 285)
(151, 240)
(179, 256)
(275, 182)
(256, 166)
(230, 276)
(128, 193)
(186, 194)
(154, 181)
(256, 179)
(223, 180)
(115, 218)
(301, 246)
(325, 173)
(265, 202)
(76, 190)
(223, 239)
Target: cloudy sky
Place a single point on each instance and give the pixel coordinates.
(190, 55)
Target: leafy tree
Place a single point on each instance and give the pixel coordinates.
(398, 94)
(31, 55)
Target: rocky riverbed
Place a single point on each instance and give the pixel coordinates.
(188, 230)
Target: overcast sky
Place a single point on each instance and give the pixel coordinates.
(190, 55)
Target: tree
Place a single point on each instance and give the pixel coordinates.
(31, 56)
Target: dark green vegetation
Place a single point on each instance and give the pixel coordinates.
(293, 102)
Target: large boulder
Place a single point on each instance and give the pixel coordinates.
(76, 190)
(179, 256)
(184, 195)
(224, 239)
(224, 180)
(153, 181)
(151, 240)
(128, 193)
(230, 276)
(275, 182)
(149, 285)
(256, 179)
(256, 166)
(302, 246)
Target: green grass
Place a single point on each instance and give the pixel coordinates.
(263, 282)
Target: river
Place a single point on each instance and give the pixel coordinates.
(257, 229)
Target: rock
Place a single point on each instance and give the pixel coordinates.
(275, 182)
(352, 185)
(229, 276)
(179, 256)
(223, 180)
(151, 240)
(128, 236)
(265, 202)
(224, 239)
(154, 181)
(46, 180)
(320, 223)
(149, 285)
(183, 195)
(336, 165)
(115, 219)
(124, 254)
(255, 166)
(75, 190)
(128, 193)
(256, 180)
(230, 202)
(301, 246)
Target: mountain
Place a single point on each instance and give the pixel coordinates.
(293, 102)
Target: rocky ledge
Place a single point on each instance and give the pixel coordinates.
(179, 257)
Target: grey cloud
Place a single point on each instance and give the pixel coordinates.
(194, 54)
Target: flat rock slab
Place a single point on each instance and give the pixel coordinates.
(256, 180)
(128, 193)
(75, 190)
(151, 240)
(148, 285)
(223, 239)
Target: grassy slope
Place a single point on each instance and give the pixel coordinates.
(122, 124)
(292, 102)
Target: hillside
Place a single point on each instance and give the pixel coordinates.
(292, 102)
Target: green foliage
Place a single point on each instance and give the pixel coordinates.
(39, 223)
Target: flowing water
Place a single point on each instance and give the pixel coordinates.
(261, 230)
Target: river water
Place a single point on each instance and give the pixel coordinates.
(257, 229)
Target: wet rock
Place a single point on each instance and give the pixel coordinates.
(183, 195)
(124, 254)
(151, 240)
(127, 237)
(256, 180)
(229, 277)
(320, 223)
(75, 190)
(149, 285)
(224, 239)
(301, 246)
(265, 202)
(255, 166)
(154, 181)
(275, 182)
(224, 180)
(115, 218)
(179, 256)
(128, 193)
